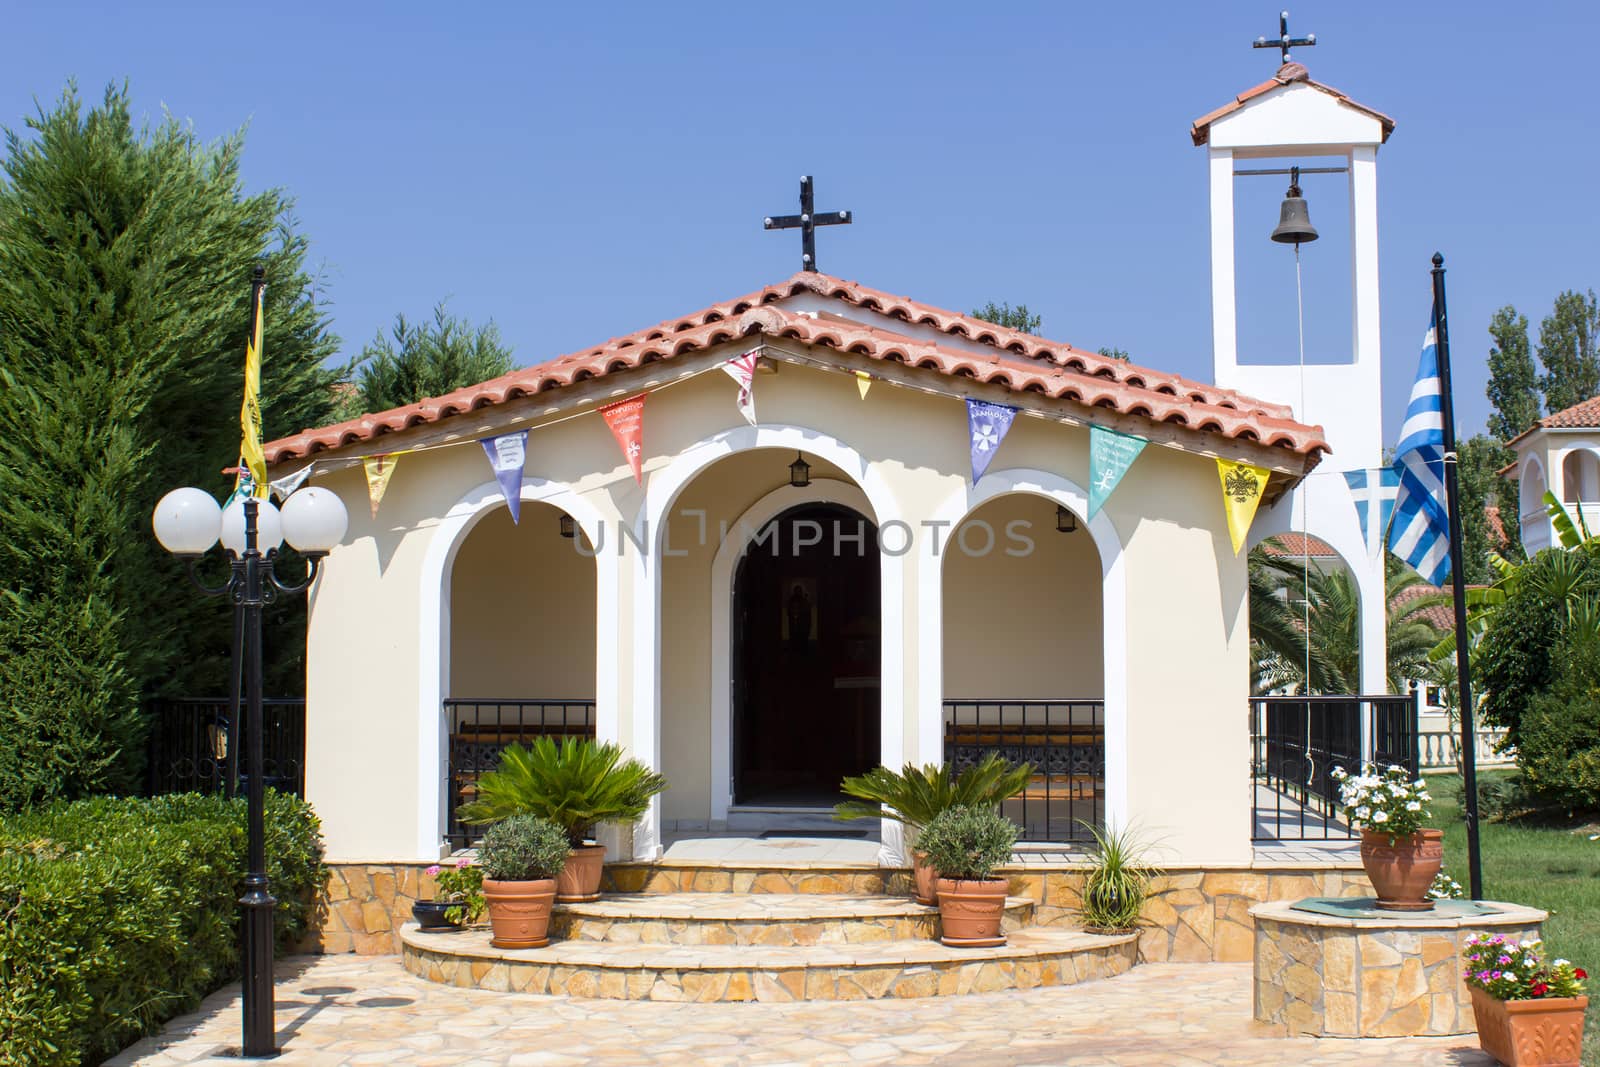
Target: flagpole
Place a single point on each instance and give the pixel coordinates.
(1469, 746)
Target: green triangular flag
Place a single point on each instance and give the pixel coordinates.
(1111, 453)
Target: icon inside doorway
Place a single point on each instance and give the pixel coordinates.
(799, 600)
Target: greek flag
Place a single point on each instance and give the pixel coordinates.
(1420, 531)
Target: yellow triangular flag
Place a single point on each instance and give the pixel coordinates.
(379, 470)
(863, 383)
(251, 456)
(1241, 495)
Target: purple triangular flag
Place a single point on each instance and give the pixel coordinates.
(988, 424)
(507, 454)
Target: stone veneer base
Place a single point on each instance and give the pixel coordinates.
(1197, 914)
(897, 969)
(1331, 976)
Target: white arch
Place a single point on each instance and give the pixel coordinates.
(729, 553)
(433, 631)
(1532, 482)
(661, 491)
(1114, 619)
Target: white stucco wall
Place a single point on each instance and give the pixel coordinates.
(1176, 638)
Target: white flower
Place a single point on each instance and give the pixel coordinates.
(1413, 805)
(1380, 816)
(1363, 813)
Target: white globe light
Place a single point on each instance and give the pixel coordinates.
(187, 521)
(269, 527)
(314, 520)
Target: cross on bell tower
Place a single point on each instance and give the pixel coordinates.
(808, 220)
(1283, 41)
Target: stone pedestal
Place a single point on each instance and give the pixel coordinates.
(1400, 976)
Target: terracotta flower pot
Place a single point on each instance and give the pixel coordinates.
(970, 912)
(1402, 871)
(925, 878)
(1546, 1032)
(580, 879)
(519, 912)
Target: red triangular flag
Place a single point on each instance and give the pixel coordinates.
(626, 419)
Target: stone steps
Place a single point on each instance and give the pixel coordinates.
(714, 876)
(769, 919)
(1030, 958)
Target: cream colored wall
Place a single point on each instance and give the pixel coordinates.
(523, 617)
(1186, 632)
(1024, 625)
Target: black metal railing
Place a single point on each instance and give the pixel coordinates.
(481, 728)
(1296, 744)
(1064, 740)
(192, 745)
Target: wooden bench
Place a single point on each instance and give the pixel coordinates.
(1041, 786)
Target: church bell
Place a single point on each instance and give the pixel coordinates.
(1294, 220)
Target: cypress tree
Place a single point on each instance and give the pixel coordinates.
(125, 254)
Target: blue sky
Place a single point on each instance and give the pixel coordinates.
(577, 171)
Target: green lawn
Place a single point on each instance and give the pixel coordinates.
(1545, 865)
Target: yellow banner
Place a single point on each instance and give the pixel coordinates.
(379, 470)
(863, 382)
(1242, 485)
(251, 458)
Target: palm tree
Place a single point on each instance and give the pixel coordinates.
(1331, 604)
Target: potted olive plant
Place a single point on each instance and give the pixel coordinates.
(521, 857)
(917, 795)
(576, 784)
(1529, 1010)
(965, 845)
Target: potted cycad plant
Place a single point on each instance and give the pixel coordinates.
(576, 784)
(1529, 1011)
(521, 857)
(1118, 883)
(918, 795)
(965, 845)
(1400, 856)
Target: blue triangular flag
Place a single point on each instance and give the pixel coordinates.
(1374, 492)
(988, 424)
(507, 455)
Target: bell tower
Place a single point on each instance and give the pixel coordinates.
(1288, 118)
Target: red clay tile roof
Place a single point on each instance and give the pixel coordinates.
(1297, 544)
(1584, 415)
(1020, 362)
(1441, 617)
(1200, 130)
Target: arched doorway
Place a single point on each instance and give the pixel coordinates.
(805, 657)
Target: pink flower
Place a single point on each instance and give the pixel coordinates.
(432, 870)
(462, 864)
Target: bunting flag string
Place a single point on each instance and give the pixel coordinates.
(626, 420)
(742, 369)
(1374, 493)
(1111, 453)
(987, 425)
(508, 454)
(1241, 496)
(863, 383)
(379, 469)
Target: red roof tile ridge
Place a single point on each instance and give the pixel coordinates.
(1200, 129)
(1020, 361)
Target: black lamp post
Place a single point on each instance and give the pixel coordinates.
(187, 523)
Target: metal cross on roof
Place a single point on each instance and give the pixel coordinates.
(808, 220)
(1283, 40)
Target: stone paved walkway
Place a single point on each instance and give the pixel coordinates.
(367, 1010)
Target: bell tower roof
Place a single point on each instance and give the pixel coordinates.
(1292, 79)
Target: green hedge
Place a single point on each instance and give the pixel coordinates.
(116, 914)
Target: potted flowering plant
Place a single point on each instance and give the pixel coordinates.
(1399, 854)
(1529, 1011)
(457, 896)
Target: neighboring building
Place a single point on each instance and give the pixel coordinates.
(1560, 454)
